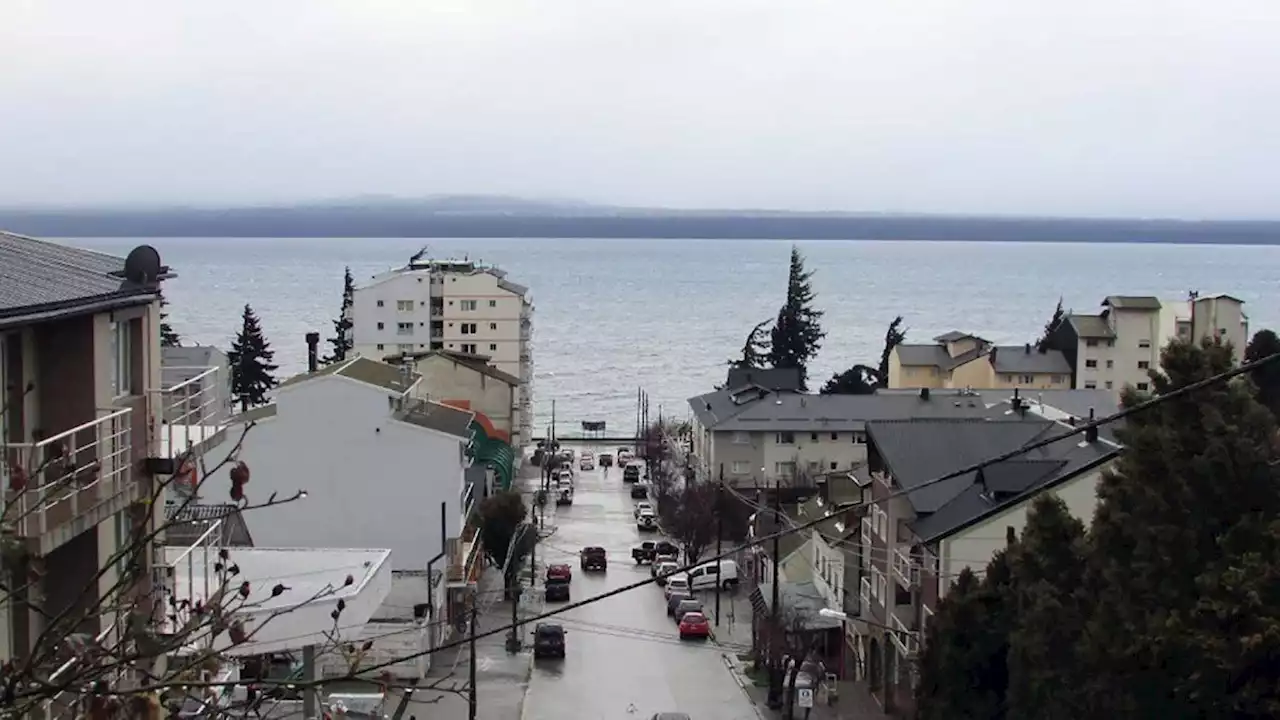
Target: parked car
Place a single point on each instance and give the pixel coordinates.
(691, 605)
(641, 506)
(594, 558)
(606, 460)
(557, 590)
(564, 493)
(676, 583)
(674, 600)
(586, 462)
(624, 454)
(631, 471)
(639, 492)
(709, 575)
(670, 716)
(694, 625)
(649, 549)
(548, 641)
(659, 570)
(564, 476)
(559, 571)
(668, 554)
(647, 520)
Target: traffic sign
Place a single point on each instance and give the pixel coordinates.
(804, 697)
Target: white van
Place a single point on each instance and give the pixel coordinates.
(708, 575)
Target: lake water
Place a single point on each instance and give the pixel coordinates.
(612, 315)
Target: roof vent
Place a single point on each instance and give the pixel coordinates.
(1027, 348)
(143, 265)
(1091, 434)
(924, 393)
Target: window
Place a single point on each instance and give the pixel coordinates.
(404, 305)
(1108, 385)
(381, 346)
(1143, 386)
(380, 303)
(1111, 343)
(1091, 364)
(741, 438)
(468, 328)
(1091, 343)
(469, 348)
(834, 465)
(786, 469)
(813, 437)
(1056, 379)
(1143, 364)
(835, 436)
(741, 467)
(493, 326)
(121, 367)
(858, 438)
(1090, 385)
(493, 347)
(404, 328)
(405, 347)
(880, 522)
(493, 303)
(1028, 379)
(814, 466)
(785, 438)
(468, 304)
(1010, 378)
(1111, 364)
(1144, 344)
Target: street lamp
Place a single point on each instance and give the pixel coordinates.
(834, 614)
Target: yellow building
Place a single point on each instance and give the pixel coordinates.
(962, 360)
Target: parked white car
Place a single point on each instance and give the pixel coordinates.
(647, 520)
(641, 507)
(709, 575)
(676, 583)
(586, 463)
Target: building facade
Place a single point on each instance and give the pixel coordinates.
(450, 305)
(962, 360)
(456, 378)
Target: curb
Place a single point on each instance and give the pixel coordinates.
(731, 665)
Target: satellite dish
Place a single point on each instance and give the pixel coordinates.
(143, 265)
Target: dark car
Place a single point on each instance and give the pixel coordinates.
(631, 473)
(639, 492)
(674, 600)
(605, 460)
(594, 558)
(548, 641)
(688, 605)
(649, 549)
(557, 590)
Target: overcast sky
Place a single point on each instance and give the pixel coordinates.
(1119, 107)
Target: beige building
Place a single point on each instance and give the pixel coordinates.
(463, 380)
(451, 305)
(1119, 345)
(962, 360)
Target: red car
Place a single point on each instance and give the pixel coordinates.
(559, 572)
(694, 624)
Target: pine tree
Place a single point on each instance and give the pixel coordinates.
(857, 380)
(252, 373)
(1055, 321)
(1196, 469)
(893, 337)
(168, 336)
(964, 667)
(755, 350)
(1048, 570)
(797, 333)
(342, 343)
(1266, 378)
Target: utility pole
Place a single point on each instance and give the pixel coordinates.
(471, 671)
(719, 535)
(775, 691)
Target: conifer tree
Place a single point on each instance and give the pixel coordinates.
(1266, 378)
(342, 343)
(1197, 469)
(1048, 569)
(893, 337)
(168, 336)
(755, 350)
(1055, 320)
(797, 333)
(252, 372)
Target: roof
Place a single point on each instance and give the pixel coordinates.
(764, 524)
(38, 277)
(781, 379)
(937, 355)
(1132, 302)
(191, 356)
(955, 336)
(1220, 296)
(795, 597)
(1061, 405)
(438, 417)
(1090, 326)
(1028, 360)
(384, 375)
(262, 412)
(478, 363)
(918, 451)
(758, 410)
(188, 523)
(833, 528)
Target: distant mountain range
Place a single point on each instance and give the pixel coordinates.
(476, 216)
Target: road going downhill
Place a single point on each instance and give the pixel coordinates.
(624, 655)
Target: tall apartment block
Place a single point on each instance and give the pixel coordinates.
(459, 306)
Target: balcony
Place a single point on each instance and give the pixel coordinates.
(60, 486)
(904, 638)
(194, 412)
(866, 532)
(463, 561)
(904, 567)
(864, 592)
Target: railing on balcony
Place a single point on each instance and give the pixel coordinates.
(904, 638)
(188, 576)
(56, 480)
(864, 592)
(866, 532)
(194, 412)
(926, 617)
(66, 702)
(463, 562)
(904, 567)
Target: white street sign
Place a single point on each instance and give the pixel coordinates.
(804, 697)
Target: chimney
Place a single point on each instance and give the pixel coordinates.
(1027, 348)
(924, 393)
(1091, 435)
(1016, 401)
(313, 357)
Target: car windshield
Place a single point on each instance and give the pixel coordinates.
(694, 618)
(594, 551)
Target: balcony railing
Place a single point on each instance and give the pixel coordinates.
(59, 479)
(68, 701)
(864, 592)
(866, 532)
(186, 577)
(904, 567)
(463, 562)
(926, 617)
(193, 411)
(904, 638)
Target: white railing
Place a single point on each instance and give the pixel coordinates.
(57, 479)
(866, 532)
(926, 617)
(904, 568)
(192, 411)
(67, 700)
(928, 562)
(864, 592)
(906, 640)
(195, 565)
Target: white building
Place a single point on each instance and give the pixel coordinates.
(457, 305)
(380, 469)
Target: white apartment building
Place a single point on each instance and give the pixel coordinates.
(1120, 344)
(454, 305)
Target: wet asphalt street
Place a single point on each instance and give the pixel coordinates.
(624, 655)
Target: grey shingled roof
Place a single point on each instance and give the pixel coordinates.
(819, 413)
(37, 276)
(384, 375)
(936, 356)
(1059, 405)
(1018, 360)
(479, 363)
(436, 416)
(955, 335)
(1132, 302)
(785, 379)
(1090, 326)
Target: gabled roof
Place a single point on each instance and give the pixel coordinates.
(438, 417)
(478, 363)
(956, 336)
(384, 375)
(1132, 302)
(794, 412)
(1027, 360)
(1090, 326)
(40, 279)
(777, 379)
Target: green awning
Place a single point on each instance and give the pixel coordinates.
(494, 452)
